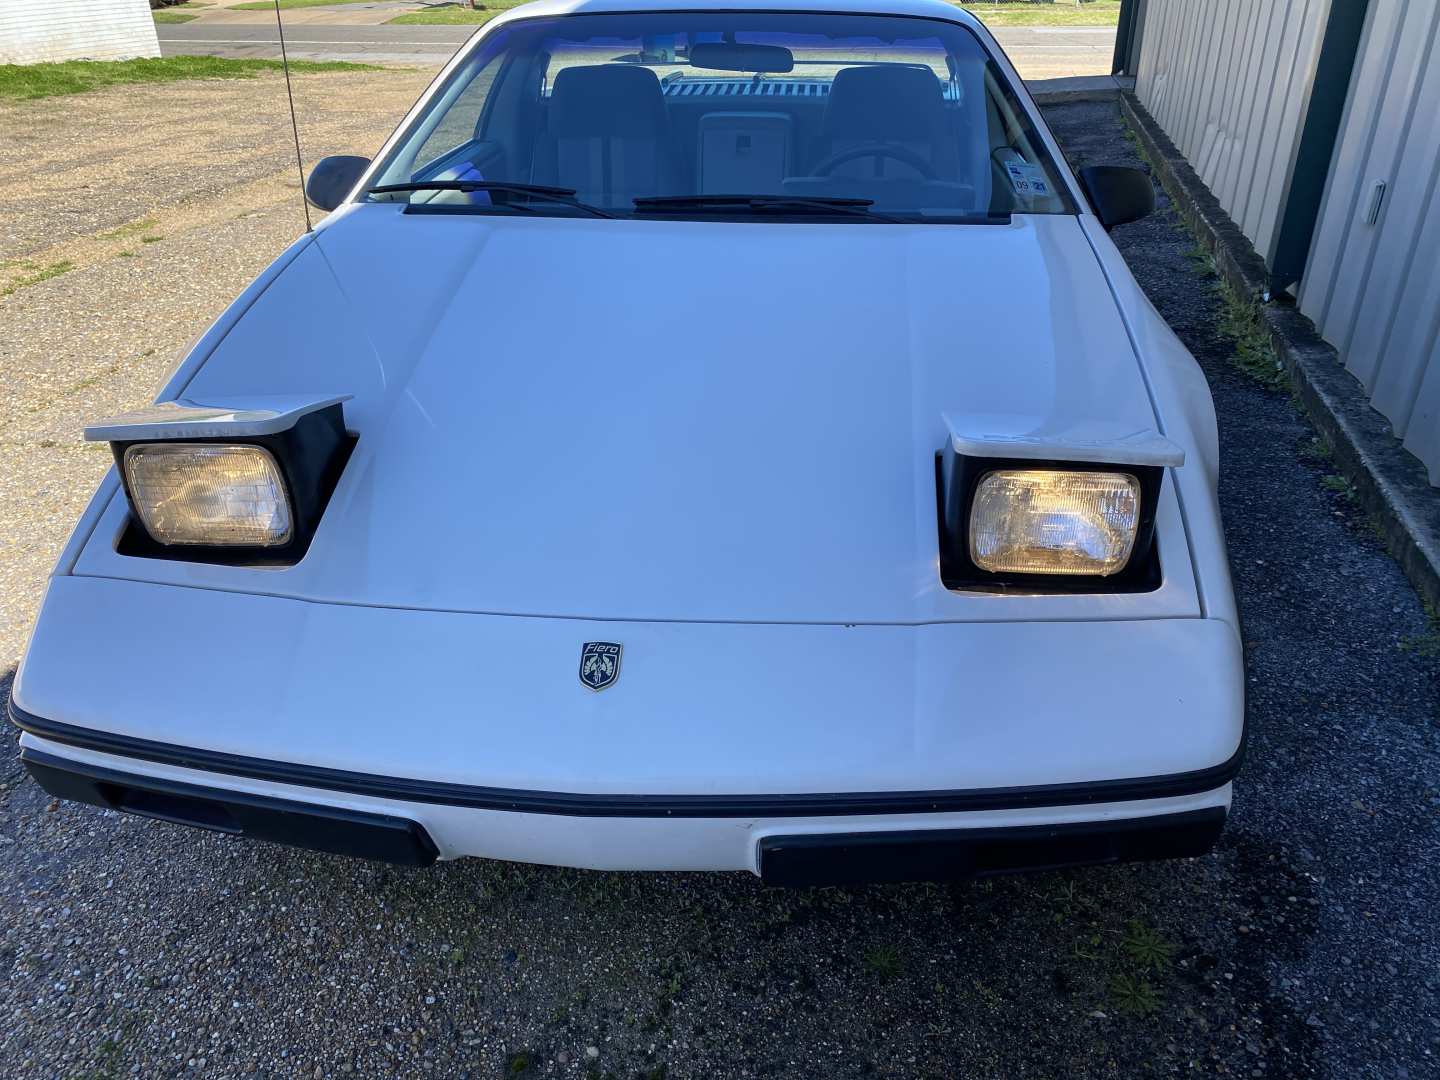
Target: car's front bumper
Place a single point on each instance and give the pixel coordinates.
(792, 849)
(715, 741)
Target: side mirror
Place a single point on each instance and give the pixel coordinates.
(332, 178)
(1118, 194)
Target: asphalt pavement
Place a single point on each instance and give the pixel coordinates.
(1038, 52)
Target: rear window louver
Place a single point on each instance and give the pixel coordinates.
(749, 88)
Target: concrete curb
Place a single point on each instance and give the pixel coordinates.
(1078, 88)
(1391, 483)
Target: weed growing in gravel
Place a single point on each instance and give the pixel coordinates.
(1133, 995)
(883, 961)
(110, 1053)
(41, 273)
(1243, 322)
(1201, 259)
(1341, 486)
(130, 228)
(1314, 448)
(1146, 948)
(1426, 644)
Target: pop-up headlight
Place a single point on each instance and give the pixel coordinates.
(209, 493)
(1049, 509)
(1054, 521)
(235, 482)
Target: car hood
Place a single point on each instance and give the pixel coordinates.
(666, 420)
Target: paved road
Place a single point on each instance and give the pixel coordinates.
(1039, 52)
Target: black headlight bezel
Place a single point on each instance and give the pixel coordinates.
(956, 478)
(311, 455)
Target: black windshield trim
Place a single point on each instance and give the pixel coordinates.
(725, 215)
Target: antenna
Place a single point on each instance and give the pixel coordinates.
(294, 127)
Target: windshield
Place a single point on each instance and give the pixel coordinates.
(778, 114)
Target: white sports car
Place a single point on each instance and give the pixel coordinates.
(709, 435)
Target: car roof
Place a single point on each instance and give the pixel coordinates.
(933, 9)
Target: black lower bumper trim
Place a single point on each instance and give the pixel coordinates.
(799, 804)
(320, 828)
(959, 854)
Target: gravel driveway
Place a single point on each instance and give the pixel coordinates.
(1307, 945)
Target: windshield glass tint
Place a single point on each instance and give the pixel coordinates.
(906, 116)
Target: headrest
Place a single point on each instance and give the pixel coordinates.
(884, 103)
(608, 99)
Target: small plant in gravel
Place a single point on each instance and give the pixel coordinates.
(1243, 322)
(1340, 486)
(1132, 995)
(1426, 644)
(1201, 259)
(40, 273)
(1146, 948)
(130, 228)
(883, 961)
(1314, 448)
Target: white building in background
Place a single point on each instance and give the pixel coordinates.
(1316, 125)
(43, 31)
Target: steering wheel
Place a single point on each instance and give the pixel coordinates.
(875, 150)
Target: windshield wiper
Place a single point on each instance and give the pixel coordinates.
(565, 196)
(819, 205)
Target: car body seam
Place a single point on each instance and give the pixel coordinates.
(1200, 596)
(655, 620)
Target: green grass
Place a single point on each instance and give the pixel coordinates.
(1341, 486)
(1426, 644)
(1243, 322)
(40, 273)
(453, 15)
(884, 962)
(26, 82)
(130, 228)
(1146, 949)
(171, 16)
(269, 5)
(1133, 995)
(1060, 13)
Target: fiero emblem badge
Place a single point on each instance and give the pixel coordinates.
(600, 663)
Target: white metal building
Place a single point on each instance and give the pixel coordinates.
(41, 31)
(1316, 124)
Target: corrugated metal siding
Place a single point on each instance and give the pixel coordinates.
(1374, 289)
(1228, 80)
(37, 31)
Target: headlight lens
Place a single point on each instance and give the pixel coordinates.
(1053, 521)
(207, 493)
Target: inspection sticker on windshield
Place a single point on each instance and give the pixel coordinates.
(1027, 179)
